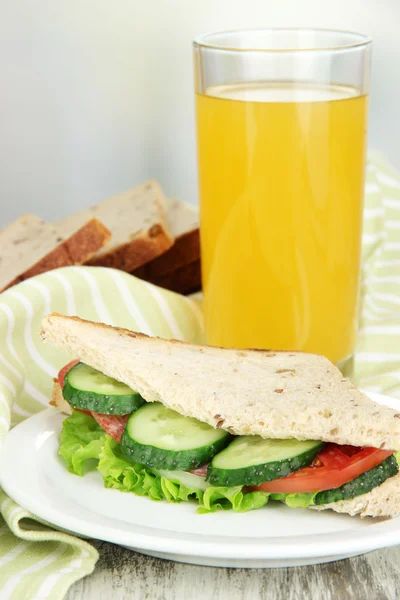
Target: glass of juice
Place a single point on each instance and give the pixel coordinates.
(281, 132)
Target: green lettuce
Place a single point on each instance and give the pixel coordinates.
(81, 439)
(84, 444)
(303, 500)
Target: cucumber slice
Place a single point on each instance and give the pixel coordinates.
(187, 479)
(250, 460)
(360, 485)
(88, 389)
(158, 437)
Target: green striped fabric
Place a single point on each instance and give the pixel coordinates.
(377, 360)
(37, 561)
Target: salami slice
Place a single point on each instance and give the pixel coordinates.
(200, 471)
(64, 371)
(112, 424)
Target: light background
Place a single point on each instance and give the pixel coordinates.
(97, 95)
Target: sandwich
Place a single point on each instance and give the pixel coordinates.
(230, 429)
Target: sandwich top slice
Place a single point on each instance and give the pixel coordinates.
(256, 423)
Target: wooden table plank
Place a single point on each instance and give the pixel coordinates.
(122, 575)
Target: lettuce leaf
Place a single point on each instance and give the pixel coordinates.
(126, 476)
(83, 439)
(122, 474)
(303, 500)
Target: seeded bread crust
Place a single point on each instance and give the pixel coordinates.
(257, 392)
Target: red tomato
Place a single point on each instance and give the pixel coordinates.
(64, 371)
(334, 466)
(114, 425)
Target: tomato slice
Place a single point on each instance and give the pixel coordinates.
(334, 466)
(114, 425)
(64, 371)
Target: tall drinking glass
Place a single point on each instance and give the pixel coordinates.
(281, 130)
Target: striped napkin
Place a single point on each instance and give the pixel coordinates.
(38, 561)
(377, 359)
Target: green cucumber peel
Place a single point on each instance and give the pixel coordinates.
(84, 444)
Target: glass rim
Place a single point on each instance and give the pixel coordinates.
(206, 40)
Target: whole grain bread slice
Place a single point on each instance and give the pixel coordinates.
(137, 221)
(263, 392)
(183, 222)
(29, 246)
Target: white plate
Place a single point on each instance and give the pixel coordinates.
(32, 474)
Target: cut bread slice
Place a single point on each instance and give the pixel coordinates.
(263, 392)
(57, 399)
(29, 246)
(137, 221)
(185, 280)
(183, 221)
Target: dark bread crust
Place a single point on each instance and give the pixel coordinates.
(185, 280)
(133, 254)
(186, 250)
(74, 250)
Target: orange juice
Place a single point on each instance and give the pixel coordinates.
(281, 174)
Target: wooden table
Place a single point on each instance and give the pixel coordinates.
(122, 575)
